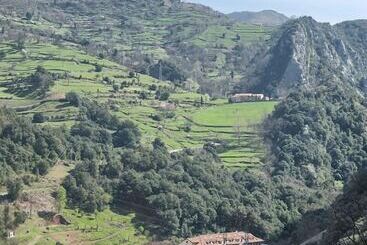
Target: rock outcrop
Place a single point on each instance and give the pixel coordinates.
(306, 53)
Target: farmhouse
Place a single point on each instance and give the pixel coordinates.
(10, 234)
(247, 97)
(232, 238)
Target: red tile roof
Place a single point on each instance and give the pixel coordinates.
(232, 238)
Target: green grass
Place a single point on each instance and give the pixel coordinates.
(112, 228)
(151, 35)
(237, 126)
(103, 228)
(216, 120)
(80, 86)
(214, 35)
(242, 114)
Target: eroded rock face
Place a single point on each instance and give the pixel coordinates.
(306, 53)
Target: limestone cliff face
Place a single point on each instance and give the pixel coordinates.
(306, 53)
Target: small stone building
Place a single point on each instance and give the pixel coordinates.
(10, 234)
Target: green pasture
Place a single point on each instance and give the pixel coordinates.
(191, 124)
(220, 36)
(102, 228)
(231, 115)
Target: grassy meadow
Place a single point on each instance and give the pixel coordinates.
(103, 228)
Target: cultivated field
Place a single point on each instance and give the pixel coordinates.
(192, 121)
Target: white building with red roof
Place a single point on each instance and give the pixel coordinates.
(232, 238)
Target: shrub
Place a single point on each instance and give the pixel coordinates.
(131, 74)
(39, 118)
(153, 87)
(143, 95)
(156, 117)
(116, 87)
(73, 98)
(98, 68)
(28, 15)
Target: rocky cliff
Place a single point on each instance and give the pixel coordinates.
(306, 53)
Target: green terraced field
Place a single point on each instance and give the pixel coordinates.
(234, 125)
(243, 114)
(104, 228)
(154, 34)
(225, 37)
(190, 125)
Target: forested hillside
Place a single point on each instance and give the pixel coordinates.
(69, 111)
(347, 217)
(317, 141)
(115, 120)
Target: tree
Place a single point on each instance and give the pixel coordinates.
(73, 98)
(165, 70)
(162, 96)
(38, 117)
(19, 218)
(8, 218)
(153, 87)
(127, 135)
(131, 74)
(37, 83)
(2, 54)
(232, 75)
(158, 144)
(98, 68)
(61, 199)
(143, 95)
(116, 88)
(20, 43)
(14, 188)
(28, 15)
(41, 167)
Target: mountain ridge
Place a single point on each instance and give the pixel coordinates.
(264, 17)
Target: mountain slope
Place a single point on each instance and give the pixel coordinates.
(265, 17)
(305, 52)
(197, 40)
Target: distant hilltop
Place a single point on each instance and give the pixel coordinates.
(265, 17)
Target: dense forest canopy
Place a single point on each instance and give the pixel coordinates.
(314, 169)
(316, 137)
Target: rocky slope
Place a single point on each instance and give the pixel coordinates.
(306, 53)
(265, 17)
